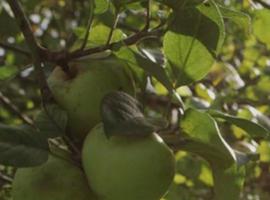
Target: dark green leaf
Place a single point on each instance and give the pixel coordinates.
(52, 122)
(228, 183)
(176, 4)
(121, 115)
(11, 28)
(22, 147)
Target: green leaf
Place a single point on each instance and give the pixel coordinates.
(121, 115)
(228, 183)
(204, 138)
(7, 72)
(239, 18)
(52, 122)
(22, 147)
(253, 129)
(99, 35)
(136, 60)
(194, 39)
(101, 6)
(261, 25)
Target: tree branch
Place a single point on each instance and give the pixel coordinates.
(127, 42)
(15, 49)
(14, 109)
(32, 43)
(6, 178)
(264, 4)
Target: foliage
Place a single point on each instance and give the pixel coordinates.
(202, 66)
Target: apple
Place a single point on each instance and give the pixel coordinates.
(127, 167)
(57, 179)
(81, 92)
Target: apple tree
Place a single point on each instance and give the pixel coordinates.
(134, 99)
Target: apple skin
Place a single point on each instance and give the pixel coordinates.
(57, 179)
(127, 168)
(81, 95)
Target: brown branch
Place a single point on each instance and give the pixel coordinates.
(264, 4)
(6, 178)
(127, 42)
(14, 109)
(15, 49)
(32, 43)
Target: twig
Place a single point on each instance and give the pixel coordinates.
(31, 41)
(128, 41)
(88, 26)
(15, 49)
(113, 27)
(6, 178)
(13, 108)
(264, 4)
(148, 15)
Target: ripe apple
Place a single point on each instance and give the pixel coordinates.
(57, 179)
(81, 92)
(127, 167)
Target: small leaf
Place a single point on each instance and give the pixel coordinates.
(261, 25)
(7, 72)
(52, 122)
(204, 138)
(121, 115)
(101, 6)
(193, 41)
(253, 129)
(22, 147)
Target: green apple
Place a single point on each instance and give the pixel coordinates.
(81, 92)
(57, 179)
(127, 167)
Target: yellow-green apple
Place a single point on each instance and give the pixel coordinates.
(125, 167)
(81, 92)
(57, 179)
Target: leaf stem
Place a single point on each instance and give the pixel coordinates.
(13, 108)
(116, 18)
(91, 15)
(15, 49)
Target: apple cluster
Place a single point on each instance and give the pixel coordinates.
(120, 167)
